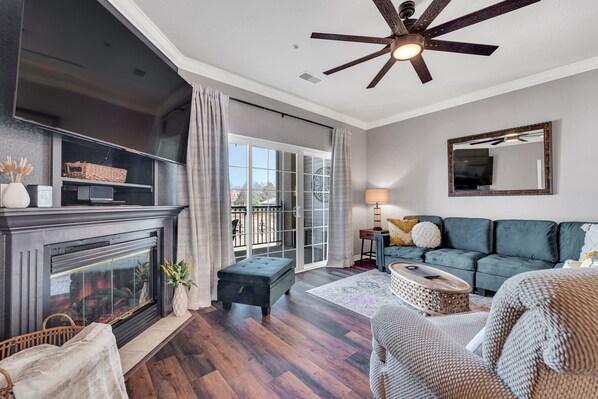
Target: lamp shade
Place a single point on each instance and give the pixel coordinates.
(376, 195)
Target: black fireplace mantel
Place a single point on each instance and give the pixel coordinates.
(27, 219)
(25, 235)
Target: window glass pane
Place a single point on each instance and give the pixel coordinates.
(259, 157)
(318, 165)
(307, 164)
(308, 183)
(238, 177)
(327, 163)
(290, 255)
(273, 157)
(290, 162)
(289, 221)
(238, 198)
(289, 240)
(237, 154)
(308, 236)
(318, 219)
(273, 180)
(275, 255)
(318, 235)
(259, 249)
(289, 200)
(307, 219)
(319, 253)
(260, 178)
(289, 181)
(307, 255)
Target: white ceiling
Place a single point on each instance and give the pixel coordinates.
(253, 39)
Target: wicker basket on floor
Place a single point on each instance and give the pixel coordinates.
(91, 171)
(53, 336)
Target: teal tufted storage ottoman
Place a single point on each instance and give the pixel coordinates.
(257, 281)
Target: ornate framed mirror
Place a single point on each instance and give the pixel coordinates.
(515, 161)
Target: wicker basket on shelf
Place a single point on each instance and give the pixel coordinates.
(91, 171)
(52, 336)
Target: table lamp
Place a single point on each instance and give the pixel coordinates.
(376, 196)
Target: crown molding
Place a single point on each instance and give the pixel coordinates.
(141, 22)
(529, 81)
(209, 71)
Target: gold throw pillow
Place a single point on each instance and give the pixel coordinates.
(400, 231)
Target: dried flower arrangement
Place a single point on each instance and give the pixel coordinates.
(15, 172)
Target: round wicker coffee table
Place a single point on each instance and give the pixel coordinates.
(445, 294)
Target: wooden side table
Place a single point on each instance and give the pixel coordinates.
(369, 234)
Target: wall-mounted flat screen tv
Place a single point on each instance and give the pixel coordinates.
(83, 72)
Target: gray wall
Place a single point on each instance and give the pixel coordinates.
(516, 166)
(18, 139)
(254, 122)
(410, 157)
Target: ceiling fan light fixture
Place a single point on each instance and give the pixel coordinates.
(511, 138)
(407, 47)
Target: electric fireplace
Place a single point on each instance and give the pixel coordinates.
(106, 283)
(96, 264)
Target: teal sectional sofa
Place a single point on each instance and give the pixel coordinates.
(486, 253)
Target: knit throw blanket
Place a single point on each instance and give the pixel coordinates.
(88, 366)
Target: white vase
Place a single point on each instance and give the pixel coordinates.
(179, 301)
(15, 195)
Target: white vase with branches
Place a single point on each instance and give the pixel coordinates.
(15, 195)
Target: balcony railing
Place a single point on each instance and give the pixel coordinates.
(267, 224)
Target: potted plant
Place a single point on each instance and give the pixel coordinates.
(15, 194)
(177, 275)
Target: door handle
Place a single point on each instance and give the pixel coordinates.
(297, 212)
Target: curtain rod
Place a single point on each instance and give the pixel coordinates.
(278, 112)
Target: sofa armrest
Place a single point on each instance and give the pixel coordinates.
(382, 241)
(415, 352)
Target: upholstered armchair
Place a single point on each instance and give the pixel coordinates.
(540, 341)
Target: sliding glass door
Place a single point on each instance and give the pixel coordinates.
(270, 183)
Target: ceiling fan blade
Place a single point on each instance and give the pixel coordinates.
(421, 68)
(520, 139)
(498, 142)
(486, 141)
(391, 15)
(352, 38)
(478, 16)
(368, 57)
(391, 61)
(429, 15)
(458, 47)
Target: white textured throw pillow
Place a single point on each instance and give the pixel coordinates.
(426, 235)
(591, 242)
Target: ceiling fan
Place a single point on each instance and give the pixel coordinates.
(509, 138)
(410, 37)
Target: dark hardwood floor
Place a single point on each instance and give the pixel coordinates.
(307, 348)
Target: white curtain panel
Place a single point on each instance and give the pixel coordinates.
(205, 230)
(340, 220)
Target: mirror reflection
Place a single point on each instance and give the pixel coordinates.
(514, 161)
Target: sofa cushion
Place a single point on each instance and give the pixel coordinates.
(256, 270)
(437, 220)
(456, 258)
(507, 266)
(571, 240)
(533, 239)
(412, 253)
(470, 234)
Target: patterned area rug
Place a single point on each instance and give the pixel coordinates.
(365, 292)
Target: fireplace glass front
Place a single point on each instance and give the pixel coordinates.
(104, 291)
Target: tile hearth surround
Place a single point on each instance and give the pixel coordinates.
(149, 341)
